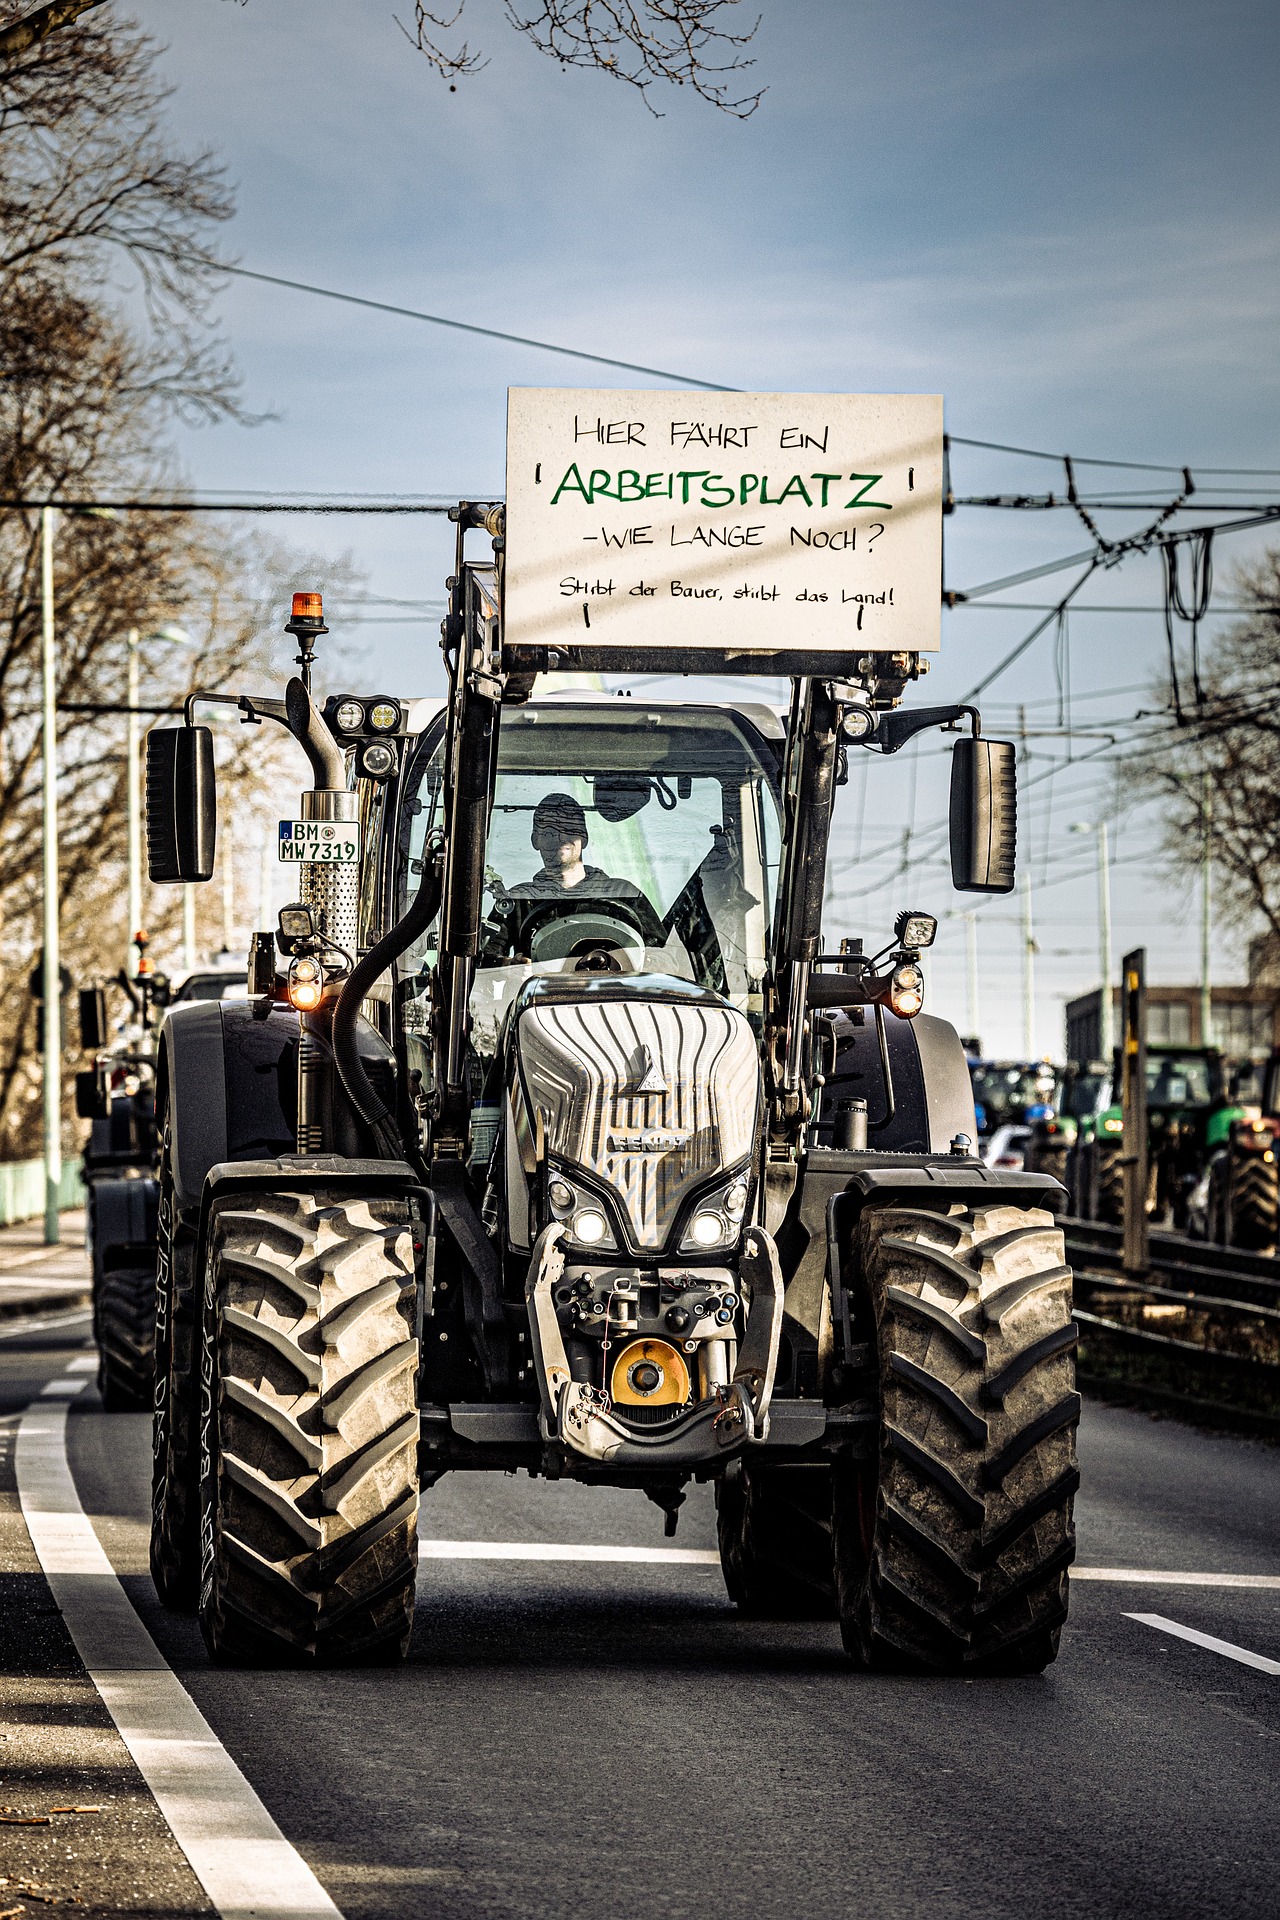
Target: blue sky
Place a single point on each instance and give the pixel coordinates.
(1062, 218)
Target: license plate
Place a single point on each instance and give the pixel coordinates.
(327, 842)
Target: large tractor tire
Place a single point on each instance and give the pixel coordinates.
(952, 1547)
(309, 1431)
(175, 1509)
(1108, 1185)
(124, 1317)
(1253, 1191)
(774, 1529)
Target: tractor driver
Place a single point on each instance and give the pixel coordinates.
(559, 835)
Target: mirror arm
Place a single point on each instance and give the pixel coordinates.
(303, 722)
(893, 730)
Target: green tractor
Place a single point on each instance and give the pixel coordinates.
(1188, 1114)
(1238, 1200)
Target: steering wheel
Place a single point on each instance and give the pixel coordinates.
(555, 929)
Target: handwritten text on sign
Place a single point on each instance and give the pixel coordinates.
(774, 520)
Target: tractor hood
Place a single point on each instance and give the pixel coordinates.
(647, 1085)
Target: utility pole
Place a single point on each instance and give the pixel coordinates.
(1133, 1106)
(973, 1014)
(1206, 910)
(1028, 933)
(1106, 1024)
(51, 1012)
(228, 887)
(135, 809)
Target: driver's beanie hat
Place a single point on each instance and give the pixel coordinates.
(562, 811)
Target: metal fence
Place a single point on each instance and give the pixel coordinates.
(22, 1189)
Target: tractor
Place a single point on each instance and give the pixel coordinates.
(555, 1136)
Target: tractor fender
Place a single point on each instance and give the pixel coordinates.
(948, 1086)
(228, 1084)
(124, 1220)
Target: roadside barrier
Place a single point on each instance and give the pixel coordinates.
(1199, 1334)
(22, 1189)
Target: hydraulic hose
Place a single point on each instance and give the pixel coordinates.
(361, 1092)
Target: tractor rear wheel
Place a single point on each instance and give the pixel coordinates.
(774, 1530)
(309, 1431)
(952, 1547)
(175, 1513)
(125, 1327)
(1253, 1192)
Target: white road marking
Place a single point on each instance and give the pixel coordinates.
(87, 1363)
(546, 1550)
(1148, 1577)
(61, 1389)
(15, 1327)
(239, 1855)
(1224, 1647)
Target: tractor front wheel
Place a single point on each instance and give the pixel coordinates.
(952, 1546)
(309, 1431)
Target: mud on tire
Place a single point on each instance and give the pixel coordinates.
(774, 1530)
(309, 1431)
(124, 1316)
(952, 1548)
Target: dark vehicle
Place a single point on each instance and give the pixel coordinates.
(552, 1137)
(1005, 1090)
(117, 1096)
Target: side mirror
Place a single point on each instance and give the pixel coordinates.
(89, 1104)
(984, 815)
(93, 1019)
(181, 804)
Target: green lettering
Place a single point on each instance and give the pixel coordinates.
(826, 479)
(795, 485)
(629, 479)
(572, 483)
(694, 473)
(599, 484)
(745, 490)
(715, 484)
(765, 501)
(860, 499)
(653, 487)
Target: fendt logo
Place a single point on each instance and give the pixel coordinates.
(649, 1140)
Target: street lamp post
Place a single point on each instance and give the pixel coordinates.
(51, 1012)
(1106, 1010)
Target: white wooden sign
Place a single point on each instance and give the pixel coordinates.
(740, 521)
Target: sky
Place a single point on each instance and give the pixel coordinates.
(1062, 219)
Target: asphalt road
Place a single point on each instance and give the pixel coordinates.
(603, 1737)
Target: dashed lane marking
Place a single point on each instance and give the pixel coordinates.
(87, 1363)
(17, 1327)
(1147, 1577)
(1197, 1639)
(547, 1550)
(700, 1557)
(239, 1855)
(61, 1389)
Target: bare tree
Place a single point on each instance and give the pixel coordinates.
(86, 170)
(1220, 773)
(680, 42)
(673, 42)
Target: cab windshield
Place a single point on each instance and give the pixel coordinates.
(623, 839)
(1180, 1080)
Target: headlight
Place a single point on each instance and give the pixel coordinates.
(707, 1230)
(589, 1227)
(377, 759)
(1113, 1124)
(906, 991)
(306, 984)
(561, 1195)
(383, 716)
(350, 716)
(735, 1199)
